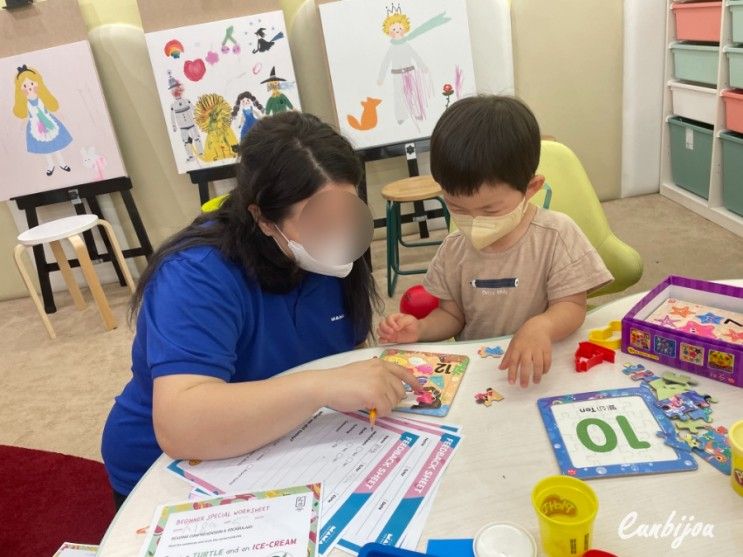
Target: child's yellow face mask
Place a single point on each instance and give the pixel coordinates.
(483, 231)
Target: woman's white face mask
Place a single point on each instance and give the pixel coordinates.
(305, 261)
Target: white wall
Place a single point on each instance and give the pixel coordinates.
(642, 111)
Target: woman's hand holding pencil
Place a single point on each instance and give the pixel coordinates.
(371, 384)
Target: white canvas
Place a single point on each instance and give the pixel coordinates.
(56, 129)
(396, 67)
(209, 66)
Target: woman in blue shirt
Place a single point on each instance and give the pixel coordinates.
(234, 299)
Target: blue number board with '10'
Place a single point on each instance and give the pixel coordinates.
(611, 433)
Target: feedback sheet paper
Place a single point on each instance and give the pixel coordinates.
(394, 506)
(353, 460)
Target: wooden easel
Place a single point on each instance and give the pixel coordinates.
(30, 28)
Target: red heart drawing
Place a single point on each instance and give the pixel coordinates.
(194, 69)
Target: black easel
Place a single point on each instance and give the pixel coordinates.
(410, 151)
(78, 194)
(203, 176)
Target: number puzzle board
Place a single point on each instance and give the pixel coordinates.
(439, 374)
(611, 433)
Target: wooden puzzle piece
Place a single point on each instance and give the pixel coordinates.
(638, 372)
(488, 397)
(713, 447)
(674, 441)
(490, 352)
(675, 412)
(701, 414)
(665, 390)
(692, 426)
(629, 369)
(678, 378)
(645, 376)
(688, 405)
(700, 400)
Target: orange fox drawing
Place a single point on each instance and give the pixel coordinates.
(368, 115)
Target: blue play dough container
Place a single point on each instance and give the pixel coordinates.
(379, 550)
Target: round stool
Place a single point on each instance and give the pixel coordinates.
(408, 190)
(70, 228)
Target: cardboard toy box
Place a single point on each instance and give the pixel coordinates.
(689, 324)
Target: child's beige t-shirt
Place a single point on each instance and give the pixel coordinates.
(553, 259)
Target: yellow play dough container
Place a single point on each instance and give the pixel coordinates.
(736, 451)
(566, 508)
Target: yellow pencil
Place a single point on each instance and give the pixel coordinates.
(372, 416)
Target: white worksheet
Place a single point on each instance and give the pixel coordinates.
(355, 462)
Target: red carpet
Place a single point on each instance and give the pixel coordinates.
(50, 498)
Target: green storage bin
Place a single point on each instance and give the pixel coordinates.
(736, 11)
(691, 155)
(732, 171)
(695, 62)
(735, 61)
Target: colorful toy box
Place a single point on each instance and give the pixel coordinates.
(689, 324)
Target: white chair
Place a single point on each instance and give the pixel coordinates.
(70, 228)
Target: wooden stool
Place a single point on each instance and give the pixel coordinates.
(70, 228)
(408, 190)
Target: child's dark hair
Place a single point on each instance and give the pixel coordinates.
(245, 95)
(283, 160)
(485, 139)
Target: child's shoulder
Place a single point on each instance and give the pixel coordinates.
(555, 222)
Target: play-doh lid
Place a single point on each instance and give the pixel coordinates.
(504, 539)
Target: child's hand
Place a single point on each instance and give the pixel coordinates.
(529, 354)
(399, 328)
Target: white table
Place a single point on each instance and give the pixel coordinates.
(505, 451)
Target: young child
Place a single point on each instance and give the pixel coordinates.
(512, 267)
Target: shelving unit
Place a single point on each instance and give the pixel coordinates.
(712, 208)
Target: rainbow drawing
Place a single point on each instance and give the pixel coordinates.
(173, 48)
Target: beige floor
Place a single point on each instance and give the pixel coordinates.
(56, 394)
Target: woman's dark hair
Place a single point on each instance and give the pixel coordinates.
(485, 139)
(284, 159)
(245, 95)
